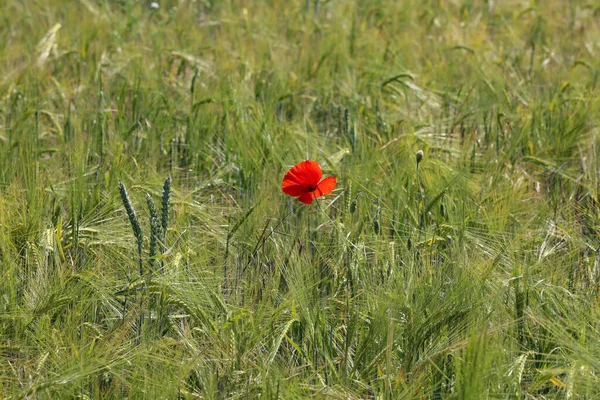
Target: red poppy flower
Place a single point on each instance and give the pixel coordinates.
(303, 180)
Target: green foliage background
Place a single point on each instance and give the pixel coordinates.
(474, 277)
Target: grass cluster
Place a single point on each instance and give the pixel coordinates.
(475, 276)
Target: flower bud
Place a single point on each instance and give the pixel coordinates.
(419, 156)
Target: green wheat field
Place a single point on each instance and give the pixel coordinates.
(147, 250)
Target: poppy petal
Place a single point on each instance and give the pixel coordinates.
(293, 189)
(307, 197)
(326, 186)
(305, 173)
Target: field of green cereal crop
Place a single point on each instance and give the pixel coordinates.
(147, 250)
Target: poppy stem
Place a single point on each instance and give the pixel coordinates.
(419, 198)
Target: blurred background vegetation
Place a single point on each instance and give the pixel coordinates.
(473, 276)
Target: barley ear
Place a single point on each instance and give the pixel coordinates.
(164, 211)
(164, 217)
(135, 223)
(155, 230)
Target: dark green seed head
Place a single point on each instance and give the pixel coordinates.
(419, 156)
